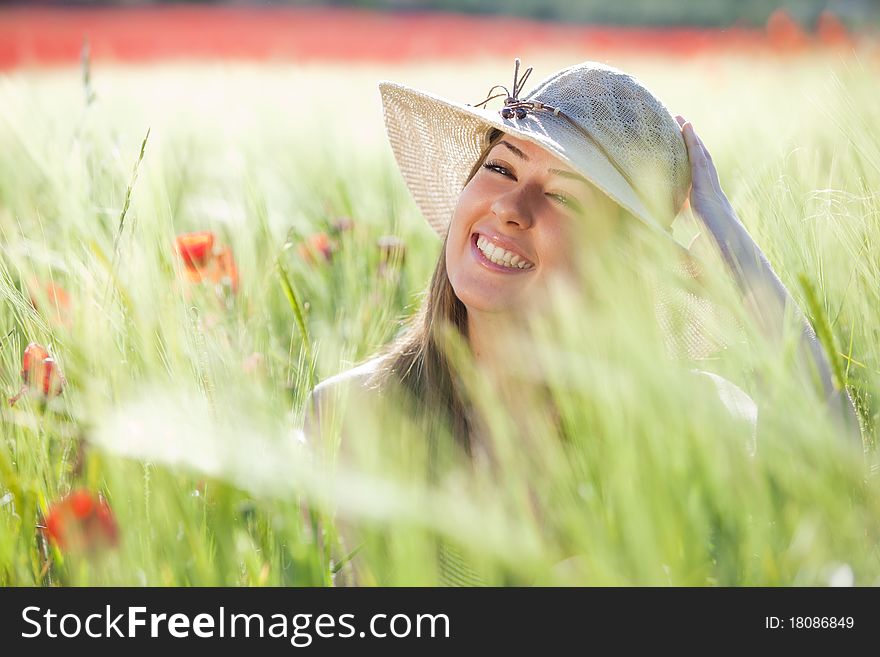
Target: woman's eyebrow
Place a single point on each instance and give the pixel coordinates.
(559, 172)
(570, 175)
(515, 150)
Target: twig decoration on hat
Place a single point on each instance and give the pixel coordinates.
(513, 106)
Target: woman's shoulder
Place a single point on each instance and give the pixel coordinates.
(360, 377)
(325, 396)
(738, 403)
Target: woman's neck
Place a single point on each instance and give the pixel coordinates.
(486, 337)
(500, 352)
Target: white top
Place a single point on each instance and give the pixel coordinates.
(738, 403)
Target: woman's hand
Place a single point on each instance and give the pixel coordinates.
(708, 201)
(743, 257)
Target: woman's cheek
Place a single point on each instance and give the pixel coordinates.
(563, 254)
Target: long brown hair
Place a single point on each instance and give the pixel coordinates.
(417, 361)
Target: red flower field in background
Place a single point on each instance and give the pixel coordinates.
(39, 373)
(785, 33)
(54, 35)
(203, 259)
(831, 32)
(81, 522)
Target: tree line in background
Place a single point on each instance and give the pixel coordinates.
(621, 12)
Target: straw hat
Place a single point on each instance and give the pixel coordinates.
(601, 122)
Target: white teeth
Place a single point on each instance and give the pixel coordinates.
(501, 256)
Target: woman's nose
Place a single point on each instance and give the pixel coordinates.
(514, 208)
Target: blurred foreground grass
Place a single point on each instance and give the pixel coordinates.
(182, 400)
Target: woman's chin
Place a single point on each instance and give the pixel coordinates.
(491, 296)
(492, 304)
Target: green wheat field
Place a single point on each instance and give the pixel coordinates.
(182, 399)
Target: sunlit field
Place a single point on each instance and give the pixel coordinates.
(159, 444)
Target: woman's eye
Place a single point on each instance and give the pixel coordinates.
(497, 168)
(566, 201)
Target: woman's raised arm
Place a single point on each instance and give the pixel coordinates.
(764, 294)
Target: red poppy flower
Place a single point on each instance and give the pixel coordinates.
(40, 371)
(34, 354)
(318, 244)
(196, 249)
(204, 260)
(81, 522)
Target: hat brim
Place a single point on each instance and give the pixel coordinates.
(437, 141)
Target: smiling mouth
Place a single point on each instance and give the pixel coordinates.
(499, 256)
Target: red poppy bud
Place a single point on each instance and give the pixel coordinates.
(40, 371)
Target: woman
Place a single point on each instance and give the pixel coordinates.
(508, 192)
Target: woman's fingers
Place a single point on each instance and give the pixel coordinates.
(705, 185)
(695, 152)
(705, 150)
(699, 162)
(710, 165)
(707, 199)
(703, 169)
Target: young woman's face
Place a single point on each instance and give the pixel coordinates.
(516, 227)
